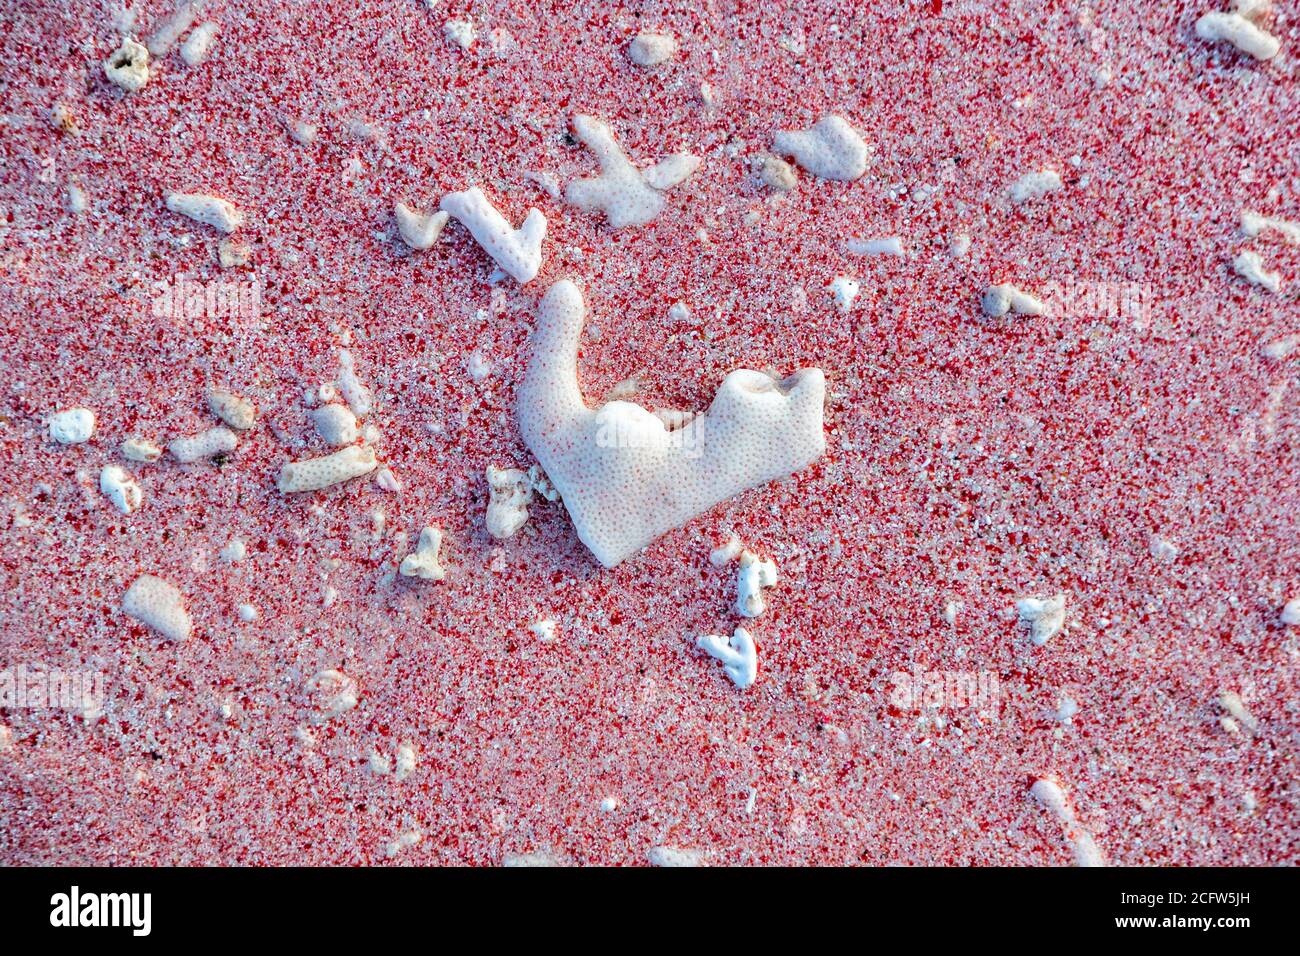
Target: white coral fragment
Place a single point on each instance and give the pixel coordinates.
(753, 576)
(120, 488)
(845, 291)
(418, 230)
(460, 32)
(1291, 612)
(206, 444)
(510, 492)
(886, 246)
(1238, 30)
(158, 604)
(626, 195)
(140, 449)
(195, 48)
(209, 210)
(624, 477)
(1251, 267)
(998, 300)
(313, 474)
(333, 694)
(424, 562)
(517, 251)
(832, 149)
(738, 656)
(1044, 617)
(651, 49)
(674, 856)
(128, 66)
(1052, 798)
(1035, 185)
(72, 426)
(237, 412)
(1252, 224)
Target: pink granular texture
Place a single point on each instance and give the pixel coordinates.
(970, 460)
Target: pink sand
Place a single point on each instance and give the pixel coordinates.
(970, 460)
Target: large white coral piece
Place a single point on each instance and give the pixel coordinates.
(626, 195)
(624, 476)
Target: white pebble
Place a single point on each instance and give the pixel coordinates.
(1250, 267)
(335, 424)
(195, 48)
(1035, 185)
(460, 32)
(140, 449)
(247, 613)
(651, 49)
(998, 300)
(237, 412)
(72, 426)
(845, 291)
(1291, 612)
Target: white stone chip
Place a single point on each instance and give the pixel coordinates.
(120, 488)
(418, 230)
(651, 49)
(1044, 617)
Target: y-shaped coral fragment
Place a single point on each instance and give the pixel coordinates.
(738, 656)
(624, 476)
(626, 195)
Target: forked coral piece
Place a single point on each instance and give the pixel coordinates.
(624, 476)
(626, 195)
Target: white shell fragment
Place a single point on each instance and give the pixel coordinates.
(128, 66)
(158, 604)
(1291, 612)
(206, 444)
(998, 300)
(423, 563)
(832, 149)
(418, 230)
(313, 474)
(120, 488)
(510, 492)
(738, 656)
(651, 49)
(72, 426)
(626, 195)
(237, 412)
(209, 210)
(1252, 224)
(753, 576)
(1044, 617)
(624, 477)
(516, 251)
